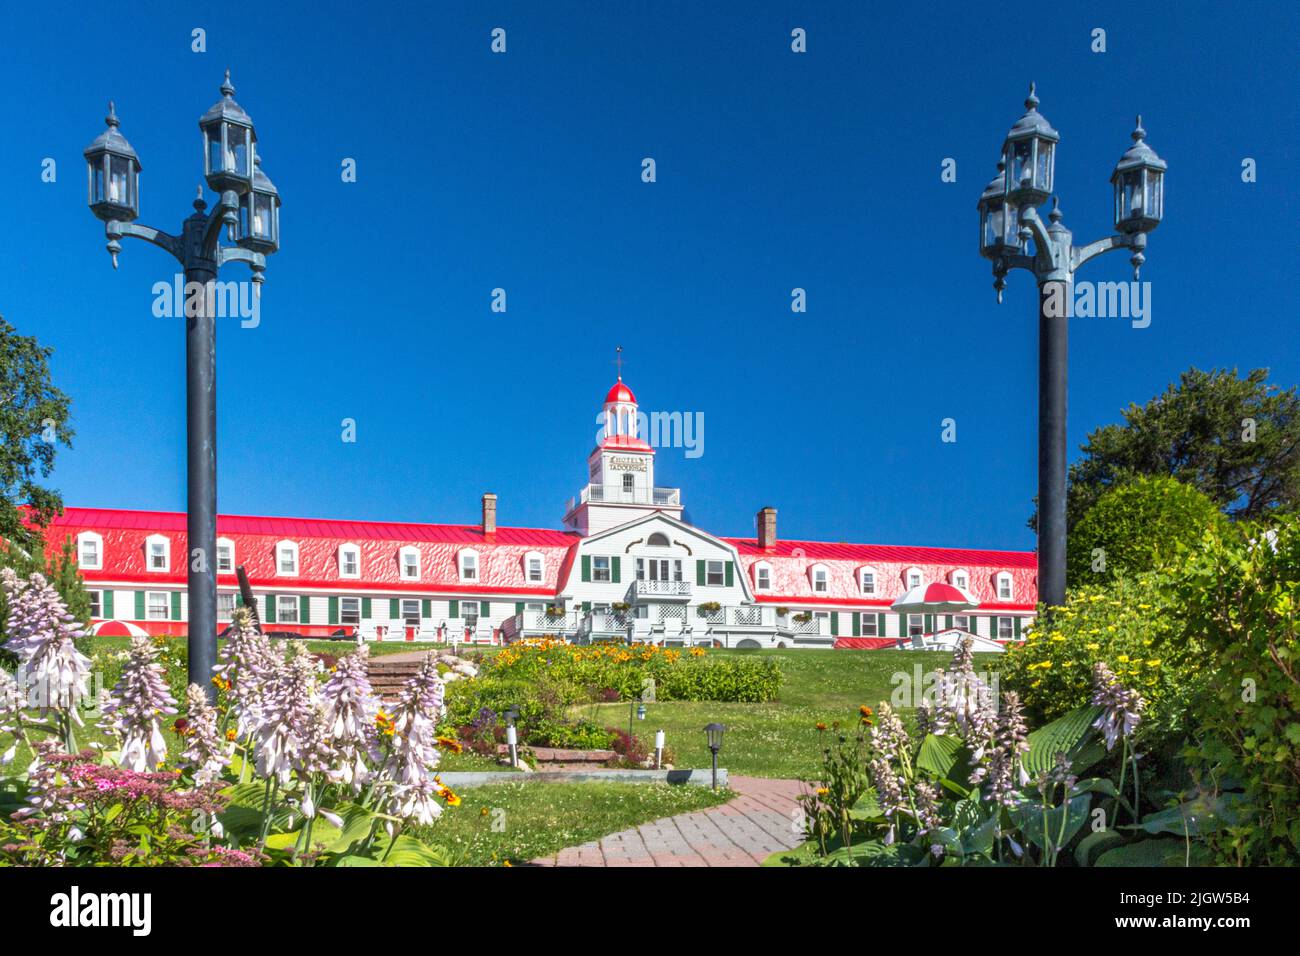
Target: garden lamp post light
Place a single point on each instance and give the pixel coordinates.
(1009, 221)
(249, 209)
(659, 749)
(714, 734)
(512, 735)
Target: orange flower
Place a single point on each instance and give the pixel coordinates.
(384, 722)
(450, 743)
(820, 725)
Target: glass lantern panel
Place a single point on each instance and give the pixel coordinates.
(212, 137)
(1022, 158)
(1132, 198)
(1011, 226)
(1043, 177)
(97, 179)
(1154, 180)
(237, 150)
(119, 178)
(261, 216)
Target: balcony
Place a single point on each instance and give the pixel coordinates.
(537, 623)
(603, 625)
(640, 591)
(618, 495)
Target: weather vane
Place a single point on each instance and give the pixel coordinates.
(618, 360)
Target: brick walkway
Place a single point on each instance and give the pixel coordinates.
(743, 832)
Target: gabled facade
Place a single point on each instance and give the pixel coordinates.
(626, 566)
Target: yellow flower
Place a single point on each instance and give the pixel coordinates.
(1153, 663)
(1092, 647)
(1123, 658)
(822, 791)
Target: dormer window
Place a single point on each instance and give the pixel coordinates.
(157, 553)
(349, 561)
(533, 568)
(409, 562)
(820, 578)
(90, 551)
(960, 579)
(762, 576)
(1003, 583)
(468, 565)
(225, 556)
(286, 558)
(867, 580)
(913, 578)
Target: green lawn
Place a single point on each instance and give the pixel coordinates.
(522, 821)
(779, 739)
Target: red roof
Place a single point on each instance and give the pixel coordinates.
(825, 550)
(620, 393)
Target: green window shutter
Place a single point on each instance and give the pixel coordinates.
(614, 569)
(139, 605)
(394, 609)
(1015, 622)
(484, 608)
(947, 623)
(365, 607)
(586, 607)
(586, 567)
(270, 609)
(426, 608)
(731, 571)
(902, 625)
(333, 610)
(857, 626)
(304, 609)
(835, 618)
(929, 623)
(974, 625)
(176, 605)
(454, 609)
(699, 573)
(107, 604)
(519, 607)
(880, 625)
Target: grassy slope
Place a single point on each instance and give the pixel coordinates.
(538, 819)
(778, 739)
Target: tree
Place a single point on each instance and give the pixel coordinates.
(1235, 439)
(33, 421)
(1137, 526)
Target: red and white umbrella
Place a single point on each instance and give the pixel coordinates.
(935, 598)
(118, 629)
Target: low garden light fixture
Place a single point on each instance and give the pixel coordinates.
(714, 734)
(640, 711)
(659, 749)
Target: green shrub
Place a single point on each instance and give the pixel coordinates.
(1240, 595)
(1126, 624)
(1140, 525)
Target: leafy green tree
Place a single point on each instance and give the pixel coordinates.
(1235, 438)
(33, 422)
(1137, 526)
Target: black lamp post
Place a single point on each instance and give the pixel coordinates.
(714, 734)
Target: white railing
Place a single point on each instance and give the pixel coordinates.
(738, 615)
(617, 494)
(603, 623)
(814, 625)
(658, 589)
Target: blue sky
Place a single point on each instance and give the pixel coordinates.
(522, 171)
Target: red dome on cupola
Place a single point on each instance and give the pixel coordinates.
(620, 393)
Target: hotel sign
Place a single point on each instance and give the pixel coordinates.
(627, 464)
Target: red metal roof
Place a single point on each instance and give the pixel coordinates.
(866, 553)
(620, 393)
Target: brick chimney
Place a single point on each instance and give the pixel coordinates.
(489, 513)
(766, 521)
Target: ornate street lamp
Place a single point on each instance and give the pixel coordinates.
(229, 164)
(1027, 173)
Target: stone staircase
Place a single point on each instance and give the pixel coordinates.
(387, 676)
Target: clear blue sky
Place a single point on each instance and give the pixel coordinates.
(775, 170)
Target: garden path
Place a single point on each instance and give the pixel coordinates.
(762, 819)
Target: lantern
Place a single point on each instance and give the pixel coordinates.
(1139, 186)
(1029, 155)
(229, 142)
(259, 213)
(113, 171)
(999, 221)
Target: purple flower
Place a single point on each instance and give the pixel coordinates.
(141, 695)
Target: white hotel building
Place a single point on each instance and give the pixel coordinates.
(624, 566)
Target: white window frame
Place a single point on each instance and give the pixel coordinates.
(348, 548)
(528, 559)
(869, 616)
(597, 571)
(403, 565)
(280, 605)
(98, 539)
(957, 622)
(762, 576)
(225, 614)
(225, 543)
(462, 562)
(1011, 629)
(709, 573)
(1004, 577)
(96, 603)
(862, 580)
(407, 618)
(960, 578)
(343, 612)
(166, 543)
(292, 547)
(913, 573)
(917, 620)
(166, 605)
(825, 572)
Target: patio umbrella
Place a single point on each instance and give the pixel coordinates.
(118, 629)
(935, 598)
